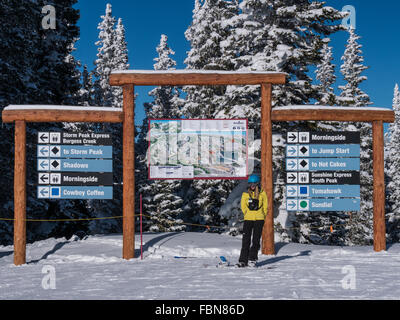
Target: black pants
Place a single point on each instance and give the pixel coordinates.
(251, 228)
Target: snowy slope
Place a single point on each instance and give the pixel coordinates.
(93, 269)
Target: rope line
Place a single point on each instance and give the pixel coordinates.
(331, 227)
(64, 220)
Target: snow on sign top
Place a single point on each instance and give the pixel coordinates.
(317, 107)
(187, 71)
(54, 107)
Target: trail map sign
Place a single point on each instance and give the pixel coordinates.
(74, 165)
(323, 171)
(198, 149)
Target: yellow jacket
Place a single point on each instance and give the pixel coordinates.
(253, 215)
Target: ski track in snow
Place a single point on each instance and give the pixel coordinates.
(93, 269)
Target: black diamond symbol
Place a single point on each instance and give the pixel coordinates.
(55, 164)
(303, 163)
(55, 150)
(303, 150)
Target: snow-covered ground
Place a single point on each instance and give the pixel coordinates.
(93, 269)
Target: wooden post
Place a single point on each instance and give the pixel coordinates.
(20, 194)
(379, 187)
(128, 250)
(268, 246)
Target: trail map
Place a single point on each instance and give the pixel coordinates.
(198, 149)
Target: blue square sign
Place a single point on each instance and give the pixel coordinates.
(303, 191)
(55, 192)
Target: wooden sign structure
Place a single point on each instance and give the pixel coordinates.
(129, 79)
(377, 116)
(20, 115)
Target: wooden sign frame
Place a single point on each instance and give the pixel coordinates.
(128, 80)
(21, 115)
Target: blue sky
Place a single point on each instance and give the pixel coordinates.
(145, 21)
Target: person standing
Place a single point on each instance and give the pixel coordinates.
(254, 206)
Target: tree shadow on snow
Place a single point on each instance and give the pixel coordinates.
(277, 259)
(388, 246)
(5, 254)
(57, 247)
(279, 246)
(152, 242)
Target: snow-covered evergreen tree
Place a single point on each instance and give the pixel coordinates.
(161, 198)
(207, 34)
(283, 36)
(120, 60)
(37, 67)
(166, 102)
(105, 61)
(352, 69)
(360, 228)
(392, 171)
(59, 83)
(349, 228)
(121, 47)
(86, 92)
(59, 72)
(325, 74)
(112, 55)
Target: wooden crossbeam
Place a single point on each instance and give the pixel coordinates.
(345, 114)
(70, 115)
(184, 78)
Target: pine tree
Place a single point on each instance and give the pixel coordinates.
(86, 92)
(112, 55)
(393, 172)
(37, 67)
(321, 231)
(105, 61)
(17, 86)
(325, 74)
(282, 36)
(59, 71)
(360, 227)
(279, 36)
(120, 60)
(211, 26)
(58, 80)
(207, 35)
(352, 69)
(162, 201)
(166, 98)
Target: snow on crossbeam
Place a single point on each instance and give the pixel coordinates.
(53, 113)
(194, 77)
(332, 113)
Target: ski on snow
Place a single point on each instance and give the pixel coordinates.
(225, 263)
